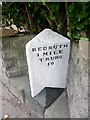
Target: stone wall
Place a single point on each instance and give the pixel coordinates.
(13, 55)
(77, 85)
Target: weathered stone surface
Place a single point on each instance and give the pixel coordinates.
(13, 54)
(6, 43)
(5, 32)
(10, 53)
(13, 72)
(0, 44)
(22, 63)
(9, 63)
(77, 85)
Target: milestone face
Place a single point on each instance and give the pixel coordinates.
(47, 58)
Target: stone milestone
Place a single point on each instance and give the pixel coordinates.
(47, 59)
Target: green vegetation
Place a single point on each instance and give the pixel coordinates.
(69, 19)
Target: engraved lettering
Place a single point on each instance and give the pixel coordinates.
(50, 53)
(48, 64)
(33, 49)
(55, 52)
(60, 56)
(50, 47)
(41, 59)
(52, 58)
(60, 51)
(56, 57)
(46, 59)
(44, 48)
(39, 48)
(38, 54)
(60, 46)
(52, 63)
(65, 45)
(55, 46)
(45, 53)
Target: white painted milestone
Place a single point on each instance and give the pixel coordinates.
(47, 59)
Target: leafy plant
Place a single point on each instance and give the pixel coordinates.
(69, 19)
(79, 18)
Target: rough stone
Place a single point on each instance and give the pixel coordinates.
(77, 85)
(14, 72)
(22, 63)
(12, 53)
(5, 32)
(9, 63)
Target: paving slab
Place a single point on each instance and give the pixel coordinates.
(59, 109)
(48, 95)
